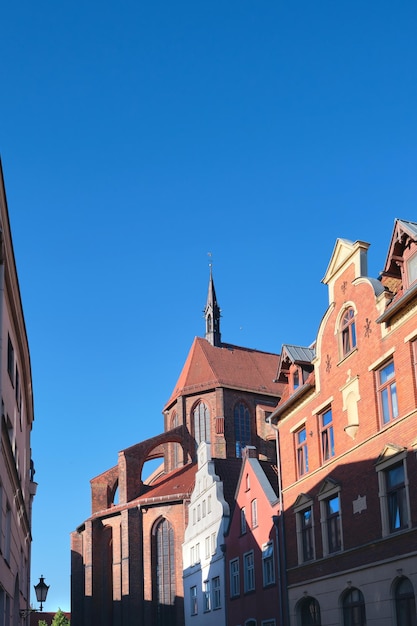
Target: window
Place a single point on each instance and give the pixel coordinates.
(242, 520)
(305, 522)
(207, 596)
(201, 423)
(204, 508)
(348, 331)
(217, 600)
(249, 572)
(330, 516)
(254, 513)
(213, 543)
(194, 513)
(354, 608)
(10, 359)
(412, 269)
(197, 553)
(165, 562)
(308, 611)
(234, 578)
(7, 533)
(326, 435)
(192, 555)
(193, 600)
(242, 428)
(207, 546)
(393, 491)
(268, 563)
(405, 603)
(387, 392)
(268, 622)
(333, 523)
(302, 451)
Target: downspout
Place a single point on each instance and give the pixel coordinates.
(280, 532)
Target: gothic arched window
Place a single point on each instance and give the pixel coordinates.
(242, 427)
(165, 572)
(201, 423)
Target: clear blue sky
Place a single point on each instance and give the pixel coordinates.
(136, 137)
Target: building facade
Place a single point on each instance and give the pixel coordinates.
(210, 506)
(17, 486)
(126, 558)
(253, 563)
(347, 428)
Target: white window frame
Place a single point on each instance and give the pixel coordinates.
(193, 600)
(217, 593)
(382, 466)
(234, 578)
(268, 563)
(249, 572)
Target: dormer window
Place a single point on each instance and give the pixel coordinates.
(348, 331)
(294, 377)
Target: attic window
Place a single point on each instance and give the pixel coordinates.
(412, 270)
(294, 377)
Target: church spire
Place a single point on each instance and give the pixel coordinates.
(212, 315)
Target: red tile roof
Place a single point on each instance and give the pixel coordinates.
(230, 366)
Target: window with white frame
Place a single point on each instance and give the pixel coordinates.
(268, 569)
(348, 331)
(207, 547)
(234, 578)
(326, 435)
(331, 519)
(206, 596)
(7, 533)
(301, 451)
(393, 490)
(249, 572)
(387, 392)
(242, 520)
(216, 595)
(213, 543)
(254, 513)
(193, 600)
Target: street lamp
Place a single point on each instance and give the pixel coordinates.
(41, 590)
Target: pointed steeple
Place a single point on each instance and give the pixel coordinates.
(212, 315)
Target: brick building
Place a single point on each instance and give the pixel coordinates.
(126, 558)
(347, 428)
(17, 487)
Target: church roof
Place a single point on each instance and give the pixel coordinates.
(174, 485)
(209, 366)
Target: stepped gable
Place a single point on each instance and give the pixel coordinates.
(228, 470)
(209, 366)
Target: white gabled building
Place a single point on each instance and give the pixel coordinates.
(203, 547)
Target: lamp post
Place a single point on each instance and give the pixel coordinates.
(41, 590)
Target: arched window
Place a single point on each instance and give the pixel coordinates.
(165, 573)
(242, 427)
(201, 423)
(405, 603)
(309, 612)
(348, 331)
(354, 608)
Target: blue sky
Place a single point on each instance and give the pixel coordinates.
(136, 137)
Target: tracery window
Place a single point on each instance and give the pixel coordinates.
(242, 427)
(201, 423)
(165, 572)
